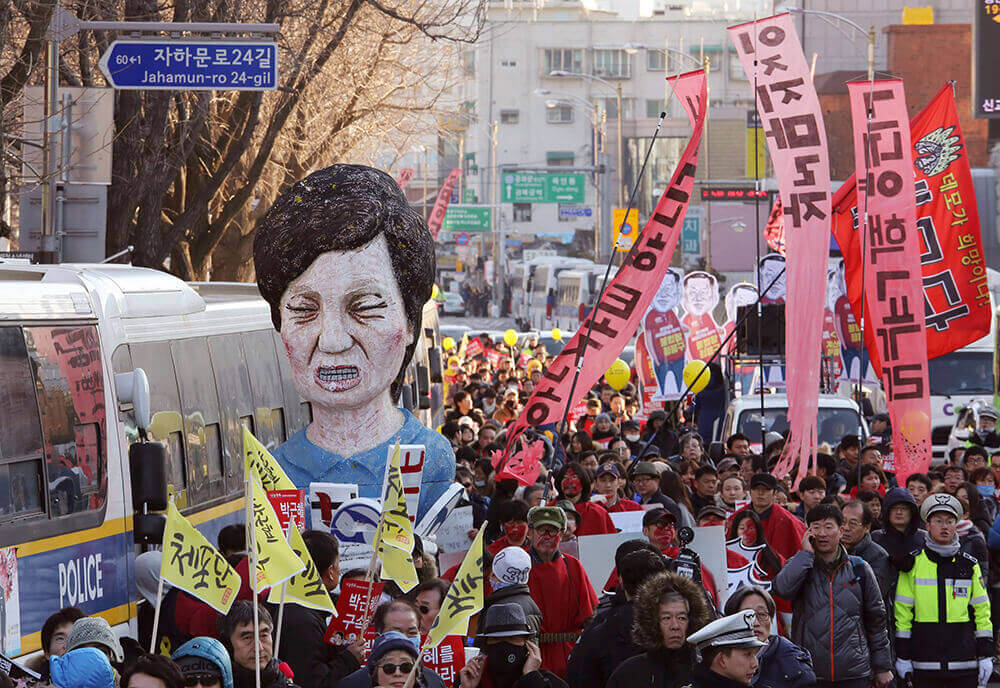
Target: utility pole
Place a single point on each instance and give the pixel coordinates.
(495, 212)
(49, 252)
(621, 152)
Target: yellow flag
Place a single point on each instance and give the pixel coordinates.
(193, 565)
(397, 531)
(257, 459)
(464, 343)
(465, 596)
(304, 588)
(276, 562)
(398, 565)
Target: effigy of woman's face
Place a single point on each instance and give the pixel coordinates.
(344, 327)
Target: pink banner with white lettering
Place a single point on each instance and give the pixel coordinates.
(792, 119)
(441, 204)
(629, 294)
(883, 159)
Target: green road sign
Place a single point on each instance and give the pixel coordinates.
(529, 187)
(467, 218)
(691, 234)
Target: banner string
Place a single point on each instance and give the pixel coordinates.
(756, 215)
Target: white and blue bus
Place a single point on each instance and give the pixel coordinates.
(71, 339)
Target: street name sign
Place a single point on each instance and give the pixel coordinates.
(527, 187)
(186, 65)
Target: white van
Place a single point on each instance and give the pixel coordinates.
(577, 294)
(837, 417)
(544, 282)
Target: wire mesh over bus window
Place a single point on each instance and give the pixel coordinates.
(70, 381)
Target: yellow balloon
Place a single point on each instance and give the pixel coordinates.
(447, 343)
(618, 374)
(696, 376)
(510, 337)
(557, 334)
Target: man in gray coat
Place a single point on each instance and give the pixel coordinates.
(838, 612)
(858, 519)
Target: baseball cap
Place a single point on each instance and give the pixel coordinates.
(726, 464)
(570, 510)
(764, 480)
(607, 468)
(941, 501)
(653, 516)
(553, 516)
(989, 412)
(711, 510)
(646, 468)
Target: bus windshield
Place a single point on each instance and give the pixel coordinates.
(832, 423)
(961, 372)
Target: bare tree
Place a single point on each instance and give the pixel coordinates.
(192, 170)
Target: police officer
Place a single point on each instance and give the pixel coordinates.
(728, 650)
(944, 636)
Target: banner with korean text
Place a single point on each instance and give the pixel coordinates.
(193, 565)
(789, 108)
(613, 321)
(952, 261)
(441, 204)
(892, 281)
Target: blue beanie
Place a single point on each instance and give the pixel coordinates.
(84, 667)
(386, 643)
(210, 650)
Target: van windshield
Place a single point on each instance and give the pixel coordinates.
(961, 372)
(832, 423)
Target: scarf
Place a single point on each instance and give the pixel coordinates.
(946, 551)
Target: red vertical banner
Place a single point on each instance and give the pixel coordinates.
(441, 204)
(893, 287)
(792, 119)
(405, 175)
(613, 321)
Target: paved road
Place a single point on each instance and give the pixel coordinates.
(480, 324)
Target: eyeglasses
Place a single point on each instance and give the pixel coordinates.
(404, 668)
(207, 680)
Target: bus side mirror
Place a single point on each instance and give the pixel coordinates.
(147, 462)
(133, 388)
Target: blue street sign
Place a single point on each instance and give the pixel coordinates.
(191, 65)
(566, 212)
(462, 239)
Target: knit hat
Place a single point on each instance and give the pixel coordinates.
(602, 416)
(386, 643)
(93, 630)
(512, 565)
(84, 667)
(205, 656)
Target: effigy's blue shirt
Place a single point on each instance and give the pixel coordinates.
(305, 463)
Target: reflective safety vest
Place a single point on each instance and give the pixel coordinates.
(943, 614)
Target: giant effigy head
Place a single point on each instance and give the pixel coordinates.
(346, 265)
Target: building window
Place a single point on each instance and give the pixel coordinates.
(559, 159)
(655, 62)
(469, 61)
(736, 72)
(612, 63)
(522, 212)
(560, 114)
(509, 116)
(563, 60)
(508, 63)
(609, 105)
(713, 53)
(654, 108)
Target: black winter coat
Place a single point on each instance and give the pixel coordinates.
(270, 677)
(603, 645)
(783, 664)
(878, 559)
(521, 596)
(655, 669)
(316, 663)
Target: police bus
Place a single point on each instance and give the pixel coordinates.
(90, 356)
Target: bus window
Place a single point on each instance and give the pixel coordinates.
(165, 406)
(20, 431)
(200, 406)
(232, 379)
(294, 420)
(70, 384)
(278, 421)
(263, 366)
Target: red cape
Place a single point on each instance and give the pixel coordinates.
(563, 592)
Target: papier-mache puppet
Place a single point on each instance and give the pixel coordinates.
(346, 265)
(700, 297)
(664, 336)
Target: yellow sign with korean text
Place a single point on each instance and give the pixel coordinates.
(193, 565)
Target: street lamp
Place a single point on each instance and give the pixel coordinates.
(618, 94)
(870, 33)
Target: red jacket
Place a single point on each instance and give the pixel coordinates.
(622, 505)
(782, 531)
(566, 598)
(594, 519)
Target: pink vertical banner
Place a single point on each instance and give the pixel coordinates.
(771, 55)
(893, 285)
(405, 175)
(441, 204)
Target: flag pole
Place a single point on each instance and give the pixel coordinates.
(284, 587)
(156, 615)
(251, 526)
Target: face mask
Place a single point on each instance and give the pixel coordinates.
(986, 490)
(632, 438)
(479, 483)
(505, 661)
(416, 643)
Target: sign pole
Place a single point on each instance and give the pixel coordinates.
(156, 616)
(284, 587)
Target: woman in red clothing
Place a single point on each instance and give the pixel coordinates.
(609, 486)
(871, 478)
(574, 484)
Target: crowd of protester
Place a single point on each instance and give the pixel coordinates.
(841, 578)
